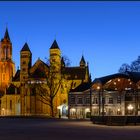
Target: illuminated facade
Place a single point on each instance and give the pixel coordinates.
(117, 94)
(19, 99)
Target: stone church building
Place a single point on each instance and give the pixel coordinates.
(16, 94)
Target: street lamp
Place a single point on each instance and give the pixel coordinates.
(98, 88)
(59, 109)
(130, 108)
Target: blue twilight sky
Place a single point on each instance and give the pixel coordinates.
(106, 33)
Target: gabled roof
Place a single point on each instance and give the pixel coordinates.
(74, 72)
(17, 76)
(25, 47)
(105, 79)
(82, 87)
(39, 69)
(54, 45)
(12, 89)
(110, 82)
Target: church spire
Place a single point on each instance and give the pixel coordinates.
(25, 48)
(6, 35)
(82, 62)
(54, 45)
(62, 62)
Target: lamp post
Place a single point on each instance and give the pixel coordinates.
(98, 88)
(90, 102)
(130, 108)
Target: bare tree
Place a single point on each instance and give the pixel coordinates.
(48, 89)
(134, 67)
(124, 68)
(66, 60)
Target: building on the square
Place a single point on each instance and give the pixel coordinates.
(117, 94)
(18, 98)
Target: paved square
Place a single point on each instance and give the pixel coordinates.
(53, 129)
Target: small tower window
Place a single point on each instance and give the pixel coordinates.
(5, 52)
(24, 69)
(4, 77)
(24, 62)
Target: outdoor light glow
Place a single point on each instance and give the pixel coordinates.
(109, 81)
(114, 83)
(73, 109)
(130, 107)
(87, 110)
(59, 107)
(98, 87)
(118, 80)
(119, 110)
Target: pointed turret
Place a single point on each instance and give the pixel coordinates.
(6, 47)
(25, 48)
(6, 35)
(54, 45)
(25, 62)
(55, 57)
(82, 62)
(62, 62)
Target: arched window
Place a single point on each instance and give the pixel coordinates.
(5, 52)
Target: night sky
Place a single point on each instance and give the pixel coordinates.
(106, 33)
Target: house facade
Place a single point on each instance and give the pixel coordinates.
(114, 95)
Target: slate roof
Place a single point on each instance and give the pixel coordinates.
(82, 87)
(54, 45)
(74, 72)
(105, 79)
(39, 70)
(134, 76)
(17, 76)
(25, 48)
(12, 89)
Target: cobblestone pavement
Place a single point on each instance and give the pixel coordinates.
(55, 129)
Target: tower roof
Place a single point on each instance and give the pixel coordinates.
(54, 45)
(82, 61)
(62, 62)
(6, 34)
(25, 47)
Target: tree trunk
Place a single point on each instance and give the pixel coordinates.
(52, 111)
